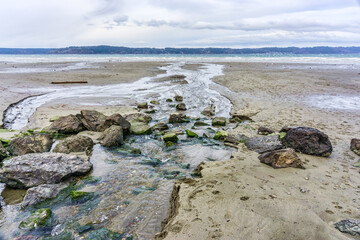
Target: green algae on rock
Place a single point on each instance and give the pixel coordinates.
(219, 121)
(76, 195)
(37, 219)
(190, 133)
(220, 135)
(170, 137)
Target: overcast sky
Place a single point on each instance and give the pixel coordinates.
(179, 23)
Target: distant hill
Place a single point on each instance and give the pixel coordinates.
(126, 50)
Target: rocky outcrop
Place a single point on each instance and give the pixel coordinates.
(209, 111)
(264, 144)
(3, 152)
(281, 159)
(35, 169)
(32, 144)
(219, 121)
(265, 131)
(355, 146)
(308, 140)
(115, 119)
(42, 193)
(181, 107)
(67, 125)
(112, 137)
(75, 144)
(92, 119)
(178, 118)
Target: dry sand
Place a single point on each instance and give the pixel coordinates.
(241, 198)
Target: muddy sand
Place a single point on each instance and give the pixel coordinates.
(241, 198)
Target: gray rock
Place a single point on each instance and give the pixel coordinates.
(92, 119)
(218, 121)
(308, 140)
(281, 159)
(140, 128)
(160, 126)
(355, 146)
(235, 139)
(118, 120)
(178, 118)
(264, 131)
(264, 144)
(138, 117)
(75, 144)
(3, 152)
(41, 193)
(112, 137)
(68, 124)
(32, 144)
(35, 169)
(349, 226)
(209, 110)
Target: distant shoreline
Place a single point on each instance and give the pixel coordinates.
(182, 51)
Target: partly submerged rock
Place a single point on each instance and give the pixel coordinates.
(170, 137)
(160, 126)
(139, 128)
(264, 144)
(92, 119)
(221, 135)
(67, 125)
(112, 137)
(350, 226)
(199, 124)
(155, 102)
(77, 195)
(32, 144)
(142, 105)
(178, 98)
(3, 152)
(118, 120)
(37, 219)
(355, 146)
(76, 143)
(265, 131)
(281, 158)
(42, 193)
(209, 111)
(138, 117)
(190, 133)
(181, 107)
(308, 140)
(178, 118)
(219, 121)
(34, 169)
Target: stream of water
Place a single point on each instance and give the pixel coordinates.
(130, 192)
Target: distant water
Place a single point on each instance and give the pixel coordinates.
(348, 59)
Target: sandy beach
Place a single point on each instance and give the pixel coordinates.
(241, 198)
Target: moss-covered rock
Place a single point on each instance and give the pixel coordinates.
(3, 153)
(169, 144)
(178, 118)
(53, 119)
(76, 195)
(139, 128)
(220, 135)
(170, 137)
(181, 107)
(154, 102)
(150, 111)
(37, 219)
(190, 133)
(160, 126)
(169, 100)
(135, 151)
(178, 98)
(219, 121)
(143, 105)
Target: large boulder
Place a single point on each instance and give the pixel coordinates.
(67, 125)
(264, 144)
(209, 111)
(178, 118)
(281, 159)
(112, 137)
(32, 144)
(76, 143)
(34, 169)
(355, 146)
(41, 193)
(3, 153)
(92, 119)
(115, 119)
(308, 140)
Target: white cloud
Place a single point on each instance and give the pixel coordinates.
(161, 23)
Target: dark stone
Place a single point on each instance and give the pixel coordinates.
(209, 111)
(218, 121)
(281, 159)
(32, 144)
(118, 120)
(264, 131)
(355, 146)
(35, 169)
(308, 140)
(75, 144)
(112, 137)
(178, 118)
(3, 152)
(264, 144)
(161, 126)
(67, 125)
(181, 106)
(178, 98)
(92, 120)
(143, 105)
(349, 226)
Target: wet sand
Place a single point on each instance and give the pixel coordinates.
(242, 198)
